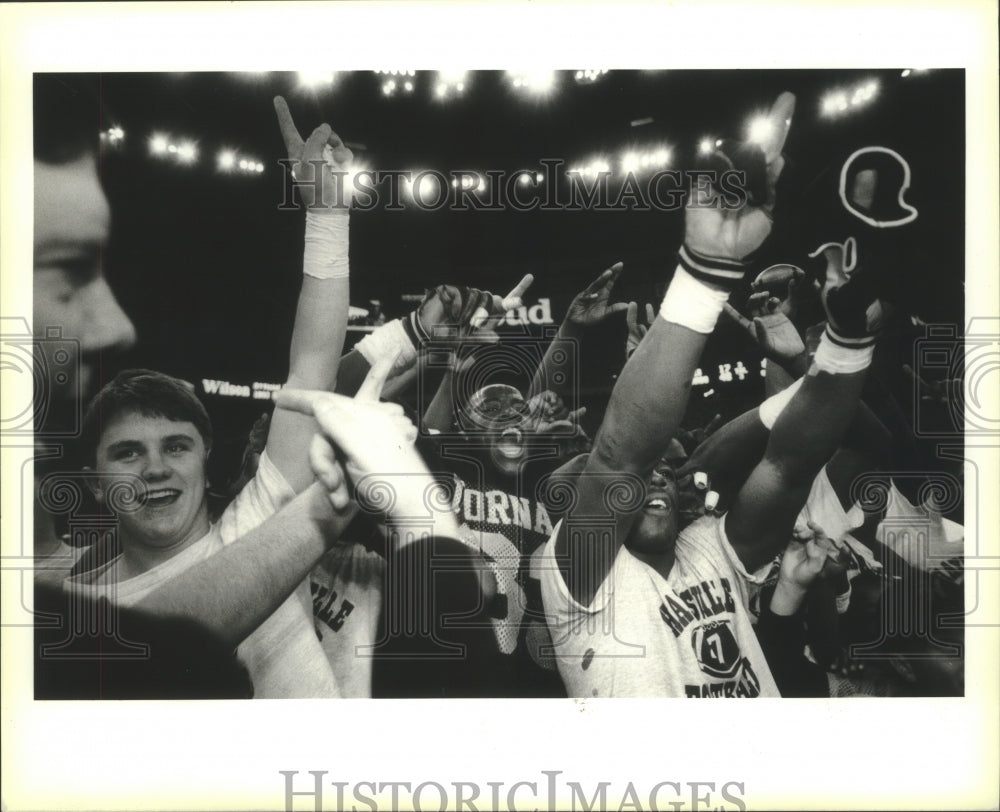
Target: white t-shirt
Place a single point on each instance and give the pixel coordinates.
(283, 656)
(823, 507)
(688, 635)
(347, 588)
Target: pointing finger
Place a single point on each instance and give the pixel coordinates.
(738, 317)
(521, 287)
(289, 132)
(371, 386)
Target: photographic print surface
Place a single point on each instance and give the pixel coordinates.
(458, 389)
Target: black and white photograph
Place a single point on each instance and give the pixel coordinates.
(523, 398)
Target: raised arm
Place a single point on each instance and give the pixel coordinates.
(557, 370)
(239, 587)
(321, 315)
(811, 427)
(651, 394)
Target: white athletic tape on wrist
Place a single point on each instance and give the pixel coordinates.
(387, 341)
(841, 356)
(326, 246)
(775, 405)
(691, 303)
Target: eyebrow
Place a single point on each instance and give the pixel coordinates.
(173, 438)
(123, 445)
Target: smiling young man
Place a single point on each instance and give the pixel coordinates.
(149, 437)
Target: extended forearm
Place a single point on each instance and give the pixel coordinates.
(650, 397)
(239, 587)
(557, 370)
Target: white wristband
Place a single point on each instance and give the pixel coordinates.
(775, 405)
(843, 357)
(691, 303)
(389, 340)
(326, 246)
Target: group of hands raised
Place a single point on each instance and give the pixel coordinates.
(363, 436)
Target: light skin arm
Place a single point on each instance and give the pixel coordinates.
(321, 315)
(239, 587)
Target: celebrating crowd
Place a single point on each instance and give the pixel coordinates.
(472, 539)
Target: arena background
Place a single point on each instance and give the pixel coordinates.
(207, 265)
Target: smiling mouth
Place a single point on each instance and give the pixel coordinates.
(162, 497)
(658, 504)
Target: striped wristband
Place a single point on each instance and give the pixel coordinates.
(726, 273)
(841, 355)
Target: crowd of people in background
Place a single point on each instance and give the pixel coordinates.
(383, 537)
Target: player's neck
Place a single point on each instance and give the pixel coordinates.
(662, 560)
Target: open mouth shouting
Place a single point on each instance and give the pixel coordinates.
(658, 502)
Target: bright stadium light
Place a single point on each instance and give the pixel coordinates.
(538, 83)
(630, 162)
(316, 79)
(705, 146)
(448, 82)
(158, 144)
(842, 101)
(187, 152)
(760, 129)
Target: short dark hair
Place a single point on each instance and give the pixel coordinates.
(149, 393)
(68, 116)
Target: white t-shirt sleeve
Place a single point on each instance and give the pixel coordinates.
(264, 495)
(705, 540)
(556, 597)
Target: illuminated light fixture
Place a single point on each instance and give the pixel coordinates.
(538, 83)
(760, 129)
(389, 87)
(593, 169)
(906, 73)
(158, 144)
(538, 177)
(115, 134)
(315, 79)
(187, 152)
(408, 87)
(841, 101)
(589, 75)
(448, 81)
(705, 146)
(630, 162)
(424, 186)
(172, 148)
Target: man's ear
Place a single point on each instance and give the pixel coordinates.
(93, 484)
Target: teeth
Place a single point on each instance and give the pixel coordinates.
(657, 503)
